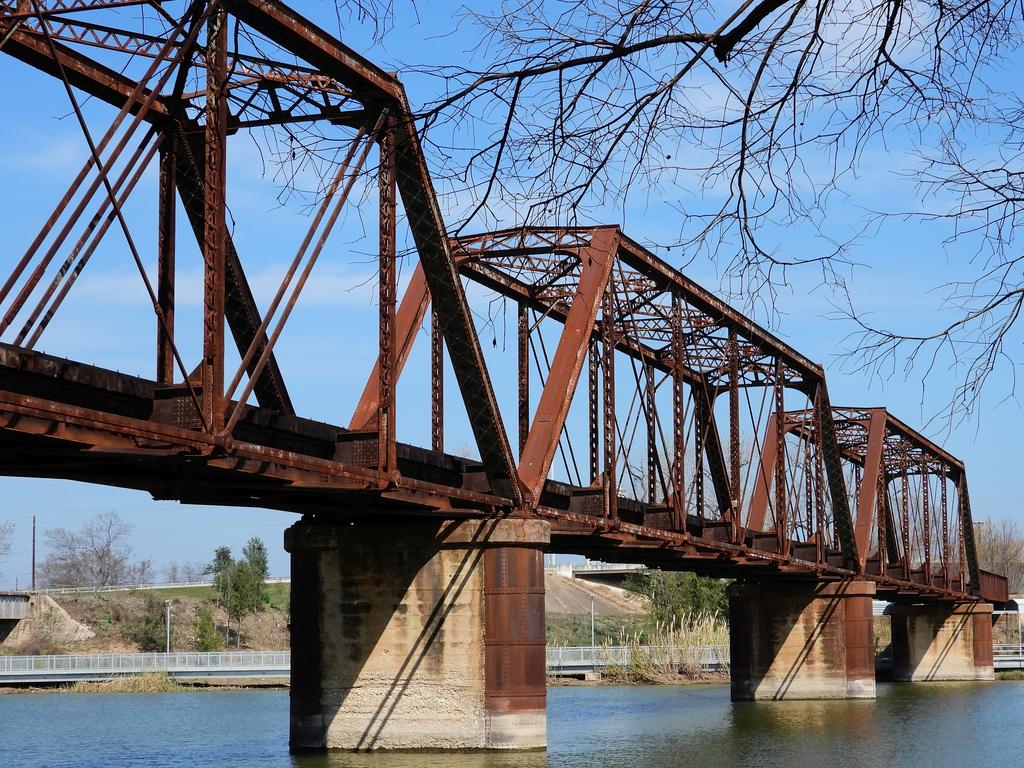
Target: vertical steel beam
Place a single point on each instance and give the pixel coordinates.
(596, 261)
(699, 433)
(868, 490)
(945, 528)
(524, 376)
(963, 553)
(240, 310)
(881, 524)
(905, 521)
(735, 500)
(809, 488)
(608, 426)
(387, 282)
(653, 466)
(678, 425)
(165, 261)
(436, 381)
(212, 369)
(926, 515)
(819, 480)
(593, 419)
(408, 323)
(781, 512)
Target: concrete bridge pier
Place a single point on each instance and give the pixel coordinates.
(942, 641)
(418, 635)
(801, 640)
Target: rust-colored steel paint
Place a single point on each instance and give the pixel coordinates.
(860, 644)
(514, 642)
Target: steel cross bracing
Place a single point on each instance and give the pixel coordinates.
(654, 423)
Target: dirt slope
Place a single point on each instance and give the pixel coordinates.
(107, 619)
(572, 596)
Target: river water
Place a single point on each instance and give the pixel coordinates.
(925, 725)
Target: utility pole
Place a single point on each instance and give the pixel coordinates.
(167, 606)
(33, 553)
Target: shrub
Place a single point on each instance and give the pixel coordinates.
(205, 629)
(149, 631)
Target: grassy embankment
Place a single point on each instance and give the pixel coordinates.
(119, 621)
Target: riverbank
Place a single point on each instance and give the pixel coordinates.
(150, 683)
(608, 680)
(124, 685)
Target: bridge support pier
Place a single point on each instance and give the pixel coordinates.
(418, 635)
(801, 640)
(942, 641)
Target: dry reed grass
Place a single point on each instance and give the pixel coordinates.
(150, 682)
(670, 652)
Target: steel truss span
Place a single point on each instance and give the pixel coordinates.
(655, 424)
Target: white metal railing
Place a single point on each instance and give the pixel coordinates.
(589, 566)
(147, 585)
(558, 659)
(600, 565)
(122, 663)
(710, 656)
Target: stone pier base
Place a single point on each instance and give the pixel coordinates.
(801, 640)
(942, 641)
(418, 635)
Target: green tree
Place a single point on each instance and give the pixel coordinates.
(149, 630)
(679, 597)
(222, 560)
(258, 564)
(205, 629)
(222, 568)
(241, 584)
(242, 595)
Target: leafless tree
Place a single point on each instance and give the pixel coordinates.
(173, 572)
(1000, 546)
(184, 572)
(751, 120)
(978, 188)
(96, 555)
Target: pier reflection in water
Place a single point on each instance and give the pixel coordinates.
(932, 724)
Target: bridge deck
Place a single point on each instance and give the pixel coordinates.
(64, 419)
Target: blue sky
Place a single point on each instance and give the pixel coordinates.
(329, 345)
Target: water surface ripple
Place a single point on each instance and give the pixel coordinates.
(925, 724)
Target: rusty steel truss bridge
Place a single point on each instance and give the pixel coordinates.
(653, 422)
